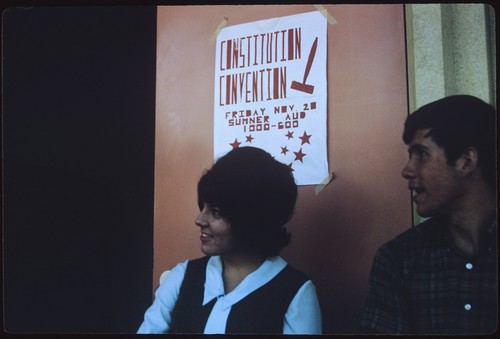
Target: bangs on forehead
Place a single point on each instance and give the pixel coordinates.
(208, 191)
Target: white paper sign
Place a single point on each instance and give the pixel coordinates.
(271, 92)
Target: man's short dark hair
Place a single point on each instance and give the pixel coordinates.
(457, 122)
(256, 194)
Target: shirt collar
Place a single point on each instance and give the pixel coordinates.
(443, 233)
(214, 285)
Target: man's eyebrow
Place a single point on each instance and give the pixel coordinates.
(416, 147)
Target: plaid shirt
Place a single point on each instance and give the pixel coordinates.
(421, 283)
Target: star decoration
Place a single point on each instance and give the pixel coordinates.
(284, 150)
(289, 135)
(249, 138)
(290, 167)
(299, 155)
(305, 138)
(235, 144)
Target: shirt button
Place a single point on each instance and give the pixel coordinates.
(469, 266)
(467, 307)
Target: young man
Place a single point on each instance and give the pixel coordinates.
(440, 277)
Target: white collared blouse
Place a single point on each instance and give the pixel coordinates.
(302, 317)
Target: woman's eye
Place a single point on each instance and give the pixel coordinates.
(216, 212)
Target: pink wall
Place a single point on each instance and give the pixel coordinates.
(336, 233)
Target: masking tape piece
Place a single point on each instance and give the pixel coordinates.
(219, 28)
(325, 13)
(324, 183)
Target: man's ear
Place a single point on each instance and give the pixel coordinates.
(468, 161)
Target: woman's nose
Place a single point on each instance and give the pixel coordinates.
(201, 219)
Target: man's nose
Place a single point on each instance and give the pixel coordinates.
(408, 171)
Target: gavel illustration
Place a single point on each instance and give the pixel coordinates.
(302, 86)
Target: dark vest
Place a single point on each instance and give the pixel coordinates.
(262, 311)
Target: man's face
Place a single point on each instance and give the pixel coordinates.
(435, 184)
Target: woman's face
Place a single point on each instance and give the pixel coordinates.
(216, 237)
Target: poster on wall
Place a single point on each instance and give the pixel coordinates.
(271, 92)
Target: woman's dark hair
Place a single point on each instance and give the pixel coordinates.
(256, 194)
(457, 122)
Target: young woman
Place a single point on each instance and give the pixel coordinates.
(242, 285)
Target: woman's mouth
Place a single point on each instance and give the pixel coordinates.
(205, 236)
